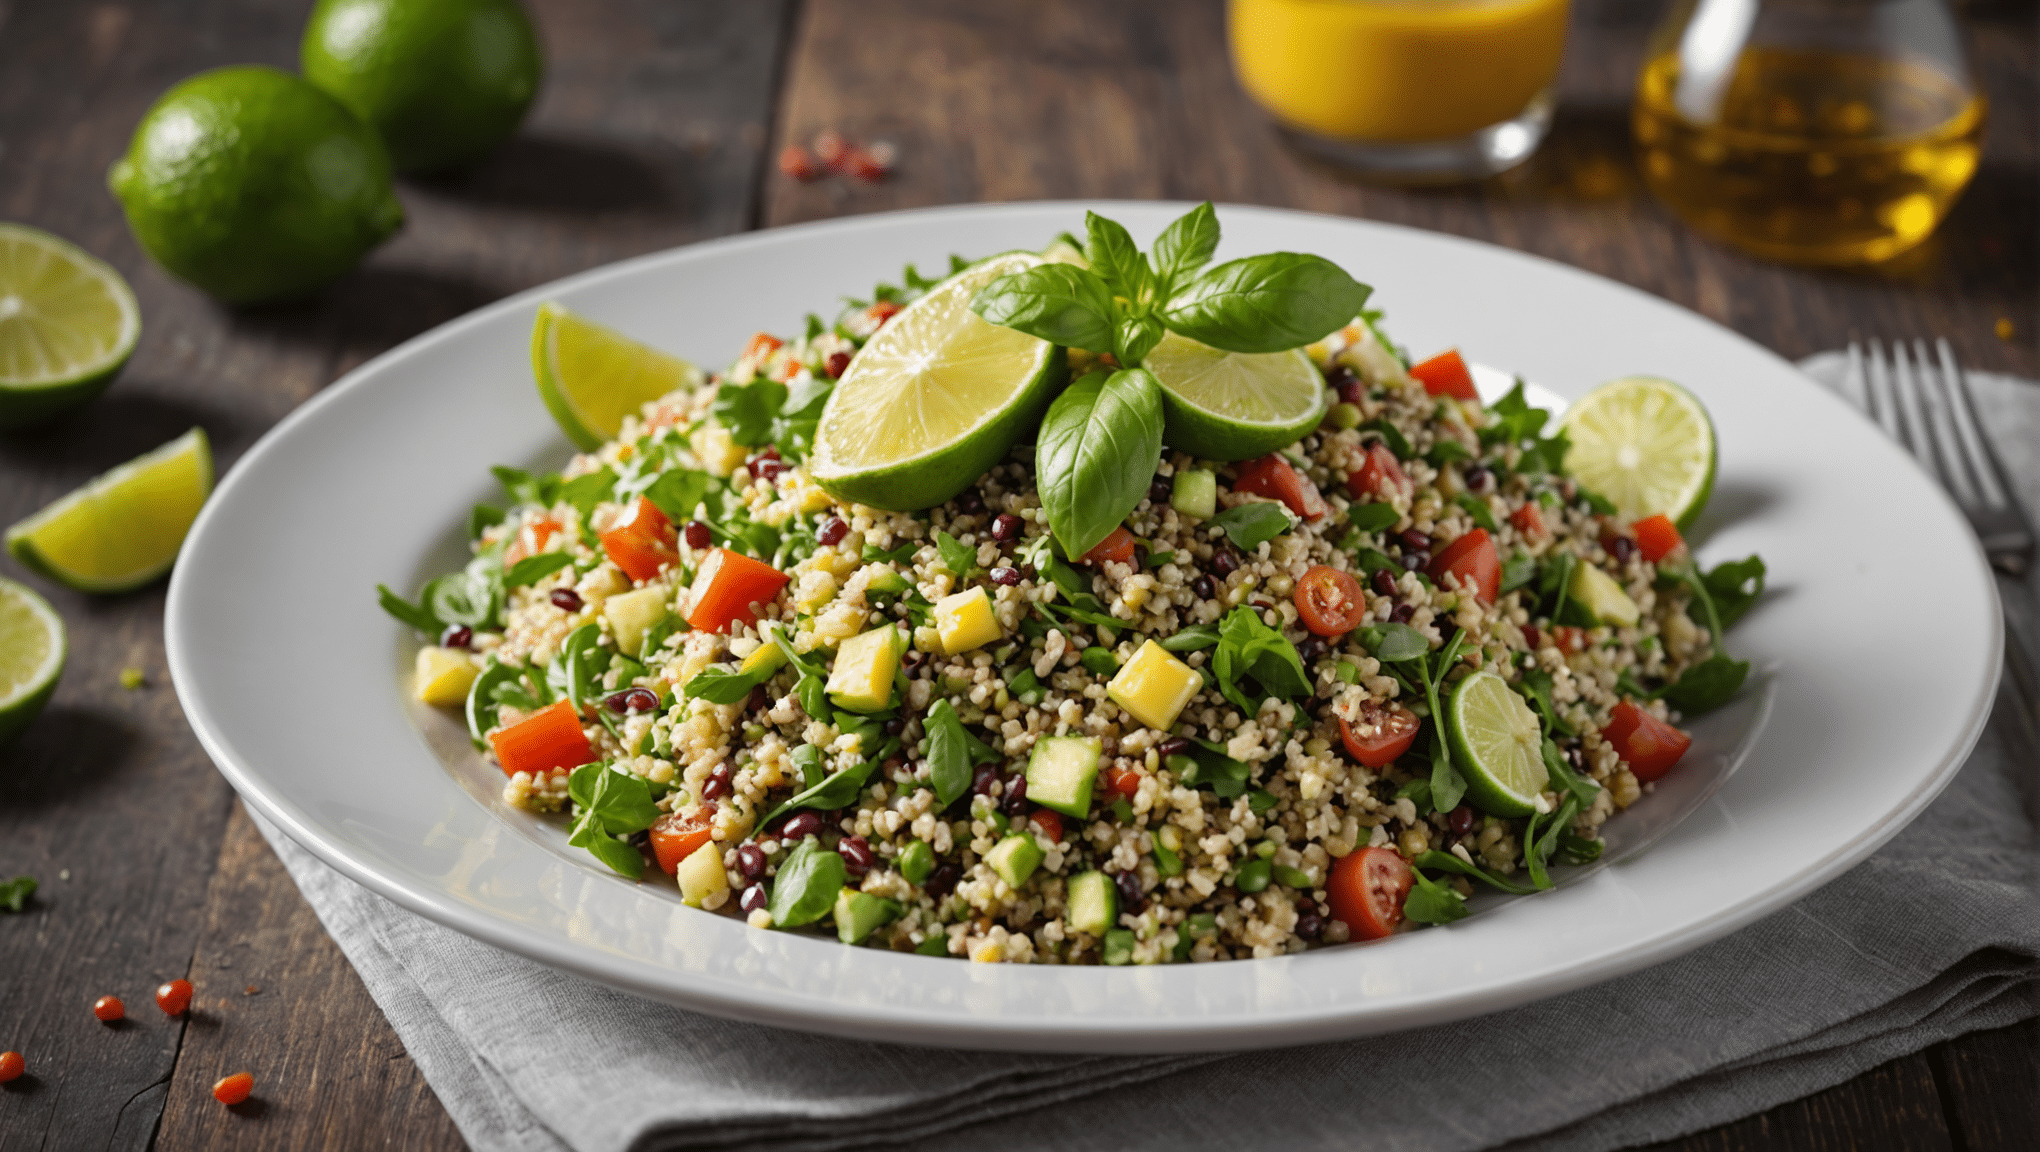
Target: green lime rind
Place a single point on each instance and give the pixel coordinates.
(932, 476)
(1497, 746)
(1645, 444)
(81, 513)
(1190, 423)
(24, 691)
(650, 375)
(29, 399)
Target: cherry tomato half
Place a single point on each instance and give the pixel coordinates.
(1271, 476)
(1367, 888)
(1116, 548)
(1529, 520)
(675, 838)
(1473, 559)
(1381, 476)
(1391, 730)
(1647, 744)
(1330, 601)
(1446, 374)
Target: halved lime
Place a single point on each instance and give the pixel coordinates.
(1234, 405)
(1497, 745)
(67, 324)
(31, 656)
(591, 377)
(1646, 445)
(123, 529)
(934, 399)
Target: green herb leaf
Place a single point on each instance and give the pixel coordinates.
(1060, 303)
(1448, 787)
(1735, 585)
(1185, 245)
(679, 492)
(959, 558)
(1430, 902)
(1267, 303)
(953, 752)
(747, 410)
(1534, 685)
(1136, 336)
(1373, 517)
(1248, 525)
(1444, 450)
(1707, 685)
(1446, 862)
(1478, 509)
(532, 569)
(1391, 436)
(1517, 571)
(619, 801)
(1249, 647)
(583, 661)
(1203, 765)
(1192, 638)
(458, 598)
(585, 492)
(1116, 260)
(719, 686)
(14, 893)
(1399, 642)
(806, 886)
(1096, 454)
(407, 612)
(481, 517)
(526, 488)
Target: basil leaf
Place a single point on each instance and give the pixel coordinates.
(1267, 303)
(1248, 525)
(1060, 303)
(585, 492)
(1399, 642)
(1248, 647)
(1186, 245)
(1116, 260)
(747, 410)
(719, 686)
(1430, 902)
(407, 612)
(808, 758)
(953, 752)
(532, 569)
(1447, 785)
(1096, 454)
(1735, 585)
(814, 700)
(806, 886)
(618, 802)
(480, 517)
(958, 557)
(1373, 517)
(1192, 638)
(1478, 509)
(1137, 336)
(1391, 436)
(621, 857)
(14, 893)
(1707, 685)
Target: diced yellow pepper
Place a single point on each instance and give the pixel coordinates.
(1154, 686)
(444, 676)
(633, 614)
(701, 875)
(862, 679)
(764, 661)
(965, 621)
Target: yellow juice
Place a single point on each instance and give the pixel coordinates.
(1396, 70)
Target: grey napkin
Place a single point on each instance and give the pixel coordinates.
(1936, 935)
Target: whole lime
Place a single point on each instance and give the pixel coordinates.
(254, 185)
(444, 81)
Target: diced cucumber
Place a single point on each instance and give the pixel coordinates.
(1093, 903)
(859, 914)
(937, 944)
(1598, 593)
(632, 615)
(886, 583)
(1061, 771)
(1015, 858)
(1194, 493)
(1119, 946)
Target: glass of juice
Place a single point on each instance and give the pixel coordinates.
(1833, 132)
(1407, 91)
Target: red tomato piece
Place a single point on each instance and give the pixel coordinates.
(762, 344)
(1330, 601)
(643, 543)
(1567, 638)
(530, 541)
(12, 1065)
(1647, 744)
(1657, 537)
(675, 838)
(548, 738)
(726, 587)
(1050, 823)
(109, 1009)
(1271, 476)
(1446, 374)
(1529, 520)
(174, 998)
(1393, 730)
(881, 311)
(1367, 888)
(233, 1089)
(1124, 781)
(1474, 560)
(1381, 476)
(1116, 548)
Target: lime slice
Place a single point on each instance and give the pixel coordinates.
(1497, 745)
(123, 529)
(1234, 405)
(934, 399)
(591, 377)
(67, 324)
(1645, 444)
(31, 656)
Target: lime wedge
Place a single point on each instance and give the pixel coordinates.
(1497, 745)
(1234, 405)
(123, 529)
(31, 656)
(934, 399)
(591, 377)
(67, 324)
(1646, 445)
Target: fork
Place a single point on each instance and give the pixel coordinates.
(1923, 401)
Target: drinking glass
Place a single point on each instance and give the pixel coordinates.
(1832, 132)
(1407, 91)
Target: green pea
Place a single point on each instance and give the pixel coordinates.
(917, 862)
(1264, 849)
(1344, 415)
(1292, 877)
(1252, 876)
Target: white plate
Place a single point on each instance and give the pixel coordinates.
(1878, 645)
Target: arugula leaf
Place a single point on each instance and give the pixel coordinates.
(1446, 862)
(1514, 420)
(1248, 525)
(874, 555)
(481, 702)
(1114, 257)
(747, 410)
(1534, 685)
(1735, 585)
(1373, 517)
(1448, 787)
(806, 886)
(1707, 685)
(1185, 245)
(1203, 765)
(532, 569)
(959, 558)
(407, 612)
(585, 492)
(14, 893)
(1478, 509)
(1248, 647)
(808, 759)
(1267, 303)
(1398, 642)
(1192, 638)
(1576, 849)
(1096, 453)
(1560, 769)
(1419, 793)
(1430, 902)
(480, 517)
(1060, 303)
(581, 663)
(526, 488)
(953, 753)
(1391, 436)
(719, 686)
(679, 492)
(1446, 450)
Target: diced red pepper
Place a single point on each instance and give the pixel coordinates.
(1474, 560)
(643, 543)
(762, 344)
(1657, 537)
(1529, 520)
(1381, 476)
(727, 586)
(1446, 374)
(1125, 781)
(548, 738)
(1568, 639)
(1116, 548)
(1647, 744)
(1050, 823)
(1271, 476)
(880, 312)
(675, 838)
(530, 541)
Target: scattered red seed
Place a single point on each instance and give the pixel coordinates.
(234, 1089)
(832, 149)
(174, 998)
(12, 1065)
(109, 1009)
(250, 990)
(866, 167)
(796, 163)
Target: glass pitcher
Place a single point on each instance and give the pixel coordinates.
(1832, 132)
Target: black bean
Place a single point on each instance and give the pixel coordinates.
(1015, 802)
(832, 531)
(1310, 926)
(856, 855)
(1383, 581)
(969, 502)
(801, 826)
(1461, 820)
(1622, 548)
(1007, 527)
(981, 782)
(1131, 898)
(1204, 588)
(1415, 560)
(758, 700)
(1224, 563)
(1007, 576)
(1476, 476)
(1402, 613)
(751, 861)
(1415, 540)
(942, 881)
(639, 838)
(893, 726)
(753, 898)
(1158, 492)
(566, 599)
(1173, 746)
(1305, 906)
(1312, 650)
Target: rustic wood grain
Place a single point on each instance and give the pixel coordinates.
(1987, 1082)
(1892, 1108)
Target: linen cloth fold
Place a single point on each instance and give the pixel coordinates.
(1935, 935)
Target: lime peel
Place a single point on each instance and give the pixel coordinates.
(123, 529)
(32, 652)
(68, 323)
(591, 377)
(1646, 445)
(1234, 405)
(1497, 744)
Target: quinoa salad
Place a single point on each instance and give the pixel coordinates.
(1226, 708)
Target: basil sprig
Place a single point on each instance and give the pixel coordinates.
(1096, 454)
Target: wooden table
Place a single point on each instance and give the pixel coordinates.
(659, 125)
